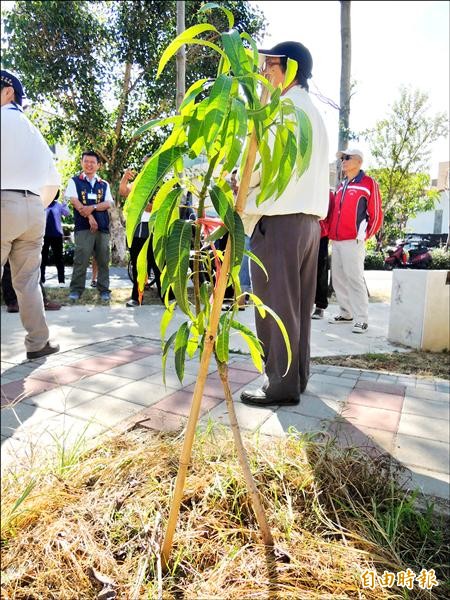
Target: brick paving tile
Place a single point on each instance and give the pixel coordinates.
(62, 376)
(180, 403)
(23, 388)
(376, 399)
(160, 420)
(235, 376)
(387, 388)
(366, 416)
(100, 363)
(244, 366)
(213, 387)
(147, 349)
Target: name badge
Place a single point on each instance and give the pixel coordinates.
(92, 196)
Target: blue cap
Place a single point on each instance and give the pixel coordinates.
(10, 80)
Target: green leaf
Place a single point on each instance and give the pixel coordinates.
(291, 71)
(248, 332)
(177, 119)
(193, 341)
(177, 258)
(145, 186)
(254, 345)
(165, 354)
(184, 38)
(256, 260)
(262, 308)
(142, 267)
(251, 41)
(217, 109)
(223, 206)
(165, 215)
(180, 349)
(192, 93)
(234, 49)
(166, 318)
(235, 135)
(305, 142)
(216, 234)
(209, 5)
(223, 340)
(237, 242)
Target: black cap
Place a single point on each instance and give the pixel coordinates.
(297, 52)
(11, 80)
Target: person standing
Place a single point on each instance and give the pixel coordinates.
(141, 235)
(29, 181)
(53, 238)
(321, 299)
(357, 215)
(285, 236)
(91, 198)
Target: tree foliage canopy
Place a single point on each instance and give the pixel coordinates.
(401, 145)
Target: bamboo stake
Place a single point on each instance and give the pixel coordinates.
(243, 460)
(206, 356)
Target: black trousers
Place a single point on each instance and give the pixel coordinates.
(9, 294)
(321, 299)
(136, 247)
(56, 244)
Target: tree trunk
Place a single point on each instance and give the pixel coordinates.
(344, 100)
(117, 233)
(181, 55)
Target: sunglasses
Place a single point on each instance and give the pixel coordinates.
(347, 157)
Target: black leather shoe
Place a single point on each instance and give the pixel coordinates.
(259, 398)
(45, 351)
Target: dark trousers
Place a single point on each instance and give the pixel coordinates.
(321, 300)
(136, 247)
(56, 244)
(288, 247)
(9, 294)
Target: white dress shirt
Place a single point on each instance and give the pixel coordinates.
(310, 193)
(71, 190)
(27, 161)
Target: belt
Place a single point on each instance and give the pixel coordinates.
(23, 192)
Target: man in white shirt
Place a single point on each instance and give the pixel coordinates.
(29, 180)
(285, 236)
(91, 199)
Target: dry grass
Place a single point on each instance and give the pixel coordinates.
(94, 532)
(423, 364)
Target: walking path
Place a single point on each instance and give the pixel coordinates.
(107, 376)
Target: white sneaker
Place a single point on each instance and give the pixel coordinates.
(61, 285)
(360, 328)
(317, 314)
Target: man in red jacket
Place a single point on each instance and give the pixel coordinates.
(356, 216)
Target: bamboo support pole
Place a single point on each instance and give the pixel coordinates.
(243, 460)
(206, 356)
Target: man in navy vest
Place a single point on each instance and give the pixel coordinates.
(91, 198)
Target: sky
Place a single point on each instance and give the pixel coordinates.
(393, 44)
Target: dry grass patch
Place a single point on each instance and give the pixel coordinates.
(93, 529)
(423, 364)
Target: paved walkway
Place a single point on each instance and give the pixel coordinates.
(108, 376)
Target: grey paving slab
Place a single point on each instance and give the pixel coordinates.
(22, 417)
(429, 428)
(140, 392)
(104, 410)
(443, 387)
(325, 389)
(100, 383)
(279, 423)
(249, 418)
(332, 380)
(61, 398)
(426, 408)
(171, 378)
(133, 371)
(428, 482)
(421, 452)
(314, 406)
(427, 394)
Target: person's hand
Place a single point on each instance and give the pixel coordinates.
(85, 211)
(129, 174)
(93, 225)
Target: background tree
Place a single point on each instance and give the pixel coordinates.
(401, 146)
(345, 85)
(93, 65)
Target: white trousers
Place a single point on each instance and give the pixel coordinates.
(347, 272)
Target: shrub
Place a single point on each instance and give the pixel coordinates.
(441, 258)
(374, 261)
